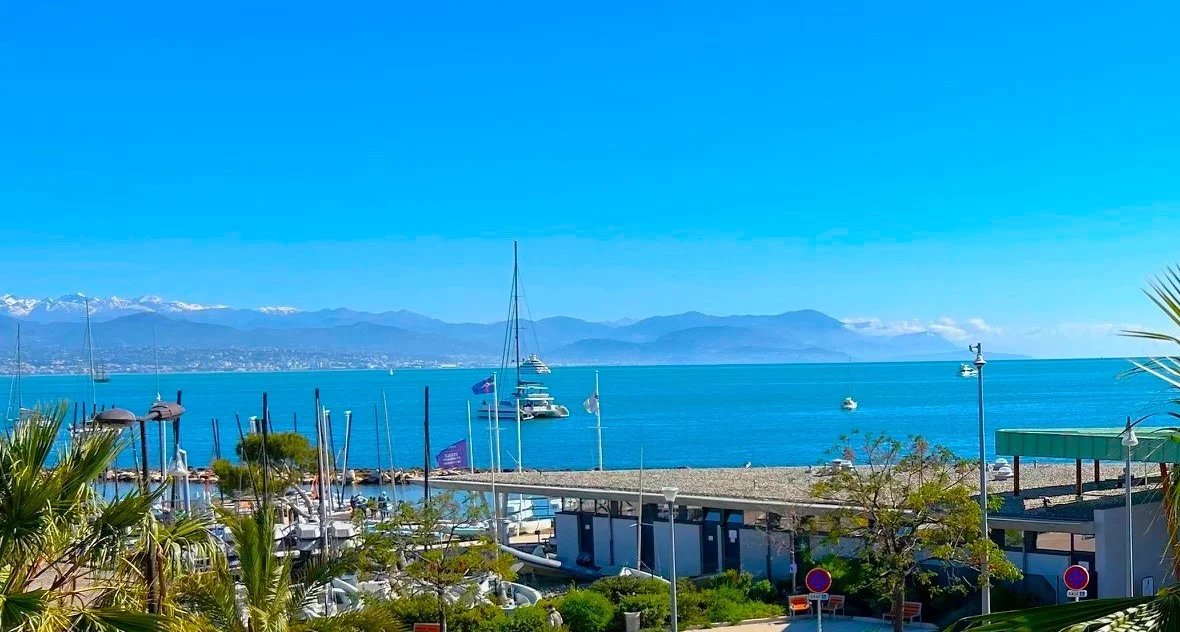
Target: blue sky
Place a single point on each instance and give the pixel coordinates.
(912, 164)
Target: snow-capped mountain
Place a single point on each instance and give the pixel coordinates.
(72, 307)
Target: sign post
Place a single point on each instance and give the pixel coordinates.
(1076, 579)
(818, 581)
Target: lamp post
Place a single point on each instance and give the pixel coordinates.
(670, 496)
(1129, 442)
(985, 593)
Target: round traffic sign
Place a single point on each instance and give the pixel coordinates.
(1076, 577)
(818, 580)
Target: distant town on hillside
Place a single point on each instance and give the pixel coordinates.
(137, 335)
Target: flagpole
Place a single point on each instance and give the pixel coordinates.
(598, 415)
(496, 417)
(491, 466)
(470, 442)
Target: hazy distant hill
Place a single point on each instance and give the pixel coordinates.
(124, 328)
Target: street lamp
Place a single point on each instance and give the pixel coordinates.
(1129, 442)
(670, 496)
(985, 594)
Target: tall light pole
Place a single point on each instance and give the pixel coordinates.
(985, 593)
(1129, 442)
(670, 496)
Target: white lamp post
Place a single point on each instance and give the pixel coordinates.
(985, 593)
(670, 496)
(1129, 442)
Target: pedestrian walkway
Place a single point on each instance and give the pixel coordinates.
(835, 624)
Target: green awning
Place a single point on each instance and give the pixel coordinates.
(1156, 445)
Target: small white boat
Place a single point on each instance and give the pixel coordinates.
(848, 404)
(966, 370)
(534, 365)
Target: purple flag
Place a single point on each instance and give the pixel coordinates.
(483, 387)
(454, 456)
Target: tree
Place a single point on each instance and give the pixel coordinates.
(288, 455)
(274, 596)
(907, 503)
(422, 539)
(1142, 614)
(64, 555)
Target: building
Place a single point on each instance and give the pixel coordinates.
(748, 519)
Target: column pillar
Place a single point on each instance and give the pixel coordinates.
(1016, 476)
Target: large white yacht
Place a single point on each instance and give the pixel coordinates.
(966, 370)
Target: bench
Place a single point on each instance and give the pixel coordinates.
(834, 603)
(910, 611)
(798, 603)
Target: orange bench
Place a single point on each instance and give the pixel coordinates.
(798, 603)
(910, 611)
(834, 603)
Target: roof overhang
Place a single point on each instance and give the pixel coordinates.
(1156, 445)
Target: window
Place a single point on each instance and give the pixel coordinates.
(570, 504)
(1083, 543)
(1054, 542)
(712, 515)
(1013, 539)
(735, 518)
(588, 506)
(693, 514)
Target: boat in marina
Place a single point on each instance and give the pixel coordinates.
(97, 373)
(966, 370)
(534, 365)
(528, 398)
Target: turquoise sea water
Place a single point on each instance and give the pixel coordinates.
(683, 415)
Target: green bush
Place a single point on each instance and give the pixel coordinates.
(526, 619)
(654, 609)
(763, 591)
(615, 588)
(730, 579)
(586, 611)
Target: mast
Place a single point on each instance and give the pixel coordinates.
(389, 444)
(598, 419)
(90, 352)
(470, 442)
(516, 316)
(19, 401)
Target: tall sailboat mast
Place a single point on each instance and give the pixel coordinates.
(90, 358)
(516, 308)
(20, 404)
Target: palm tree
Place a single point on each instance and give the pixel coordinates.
(1142, 614)
(64, 551)
(268, 595)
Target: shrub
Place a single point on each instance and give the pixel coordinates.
(586, 611)
(730, 579)
(763, 591)
(525, 619)
(615, 588)
(654, 609)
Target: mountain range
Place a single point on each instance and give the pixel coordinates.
(124, 328)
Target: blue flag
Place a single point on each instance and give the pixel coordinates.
(453, 456)
(483, 387)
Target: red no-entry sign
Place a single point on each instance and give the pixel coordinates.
(1076, 577)
(818, 580)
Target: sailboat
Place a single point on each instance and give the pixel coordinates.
(97, 374)
(530, 397)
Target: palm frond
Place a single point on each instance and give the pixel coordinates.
(1057, 618)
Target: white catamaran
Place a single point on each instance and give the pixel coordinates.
(531, 397)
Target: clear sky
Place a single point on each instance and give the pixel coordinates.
(923, 165)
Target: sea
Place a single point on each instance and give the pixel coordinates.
(668, 416)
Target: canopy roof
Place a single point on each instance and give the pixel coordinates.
(1156, 445)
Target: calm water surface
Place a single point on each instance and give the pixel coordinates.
(682, 415)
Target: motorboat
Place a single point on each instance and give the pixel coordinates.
(848, 404)
(534, 365)
(966, 370)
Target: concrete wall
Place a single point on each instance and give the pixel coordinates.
(753, 548)
(1047, 565)
(625, 541)
(780, 555)
(602, 541)
(1151, 556)
(688, 550)
(566, 535)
